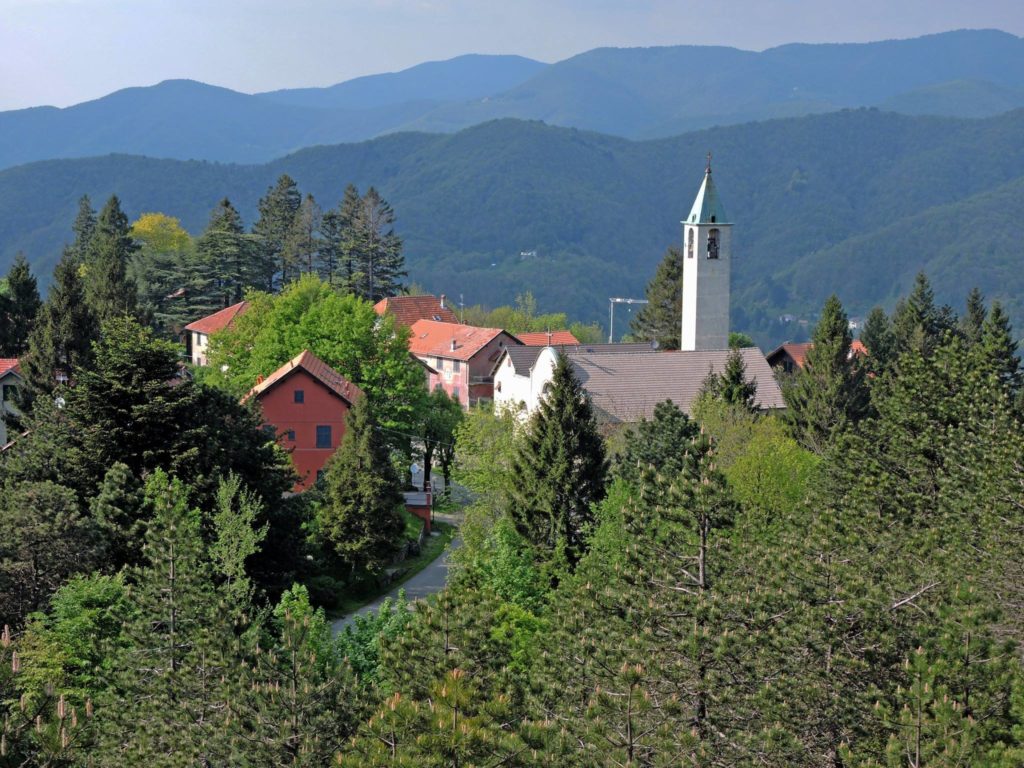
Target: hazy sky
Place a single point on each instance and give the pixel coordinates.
(65, 51)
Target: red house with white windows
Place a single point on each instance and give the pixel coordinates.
(305, 403)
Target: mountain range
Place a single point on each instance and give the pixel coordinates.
(853, 202)
(631, 92)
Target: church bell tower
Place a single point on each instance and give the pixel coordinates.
(707, 253)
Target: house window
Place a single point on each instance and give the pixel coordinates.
(455, 366)
(269, 431)
(290, 434)
(689, 245)
(713, 243)
(300, 396)
(323, 436)
(455, 394)
(10, 393)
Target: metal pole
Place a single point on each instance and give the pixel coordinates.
(611, 319)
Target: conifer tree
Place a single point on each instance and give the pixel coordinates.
(61, 339)
(879, 340)
(84, 227)
(302, 245)
(829, 393)
(917, 323)
(998, 350)
(109, 291)
(162, 269)
(119, 511)
(19, 306)
(974, 318)
(177, 672)
(659, 320)
(360, 518)
(277, 209)
(658, 444)
(379, 263)
(561, 469)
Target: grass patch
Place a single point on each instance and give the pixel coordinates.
(433, 546)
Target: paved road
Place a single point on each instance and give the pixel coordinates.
(425, 583)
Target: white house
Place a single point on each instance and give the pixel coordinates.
(197, 333)
(10, 381)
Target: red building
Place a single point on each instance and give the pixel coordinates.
(305, 403)
(462, 357)
(408, 309)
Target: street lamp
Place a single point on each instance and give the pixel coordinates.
(611, 313)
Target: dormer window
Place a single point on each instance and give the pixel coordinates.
(713, 243)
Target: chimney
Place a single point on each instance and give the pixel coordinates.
(442, 301)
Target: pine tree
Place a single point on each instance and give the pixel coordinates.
(302, 245)
(178, 662)
(659, 320)
(998, 350)
(379, 263)
(22, 306)
(226, 263)
(119, 511)
(360, 518)
(658, 444)
(829, 393)
(277, 209)
(917, 323)
(879, 340)
(974, 318)
(61, 340)
(561, 469)
(109, 291)
(84, 228)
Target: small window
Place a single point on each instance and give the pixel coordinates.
(269, 431)
(10, 393)
(323, 436)
(712, 243)
(290, 434)
(455, 393)
(455, 366)
(689, 245)
(300, 396)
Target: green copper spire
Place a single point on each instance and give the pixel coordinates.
(707, 208)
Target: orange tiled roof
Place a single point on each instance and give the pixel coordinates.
(9, 364)
(456, 342)
(857, 348)
(544, 339)
(218, 320)
(408, 309)
(316, 368)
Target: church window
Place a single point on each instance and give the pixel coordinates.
(689, 245)
(712, 243)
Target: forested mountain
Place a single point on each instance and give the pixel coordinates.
(854, 202)
(473, 76)
(632, 92)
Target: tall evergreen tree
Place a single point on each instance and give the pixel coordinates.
(61, 339)
(302, 245)
(917, 323)
(378, 249)
(360, 518)
(109, 291)
(660, 319)
(974, 318)
(879, 340)
(277, 210)
(998, 350)
(227, 263)
(84, 227)
(162, 270)
(561, 469)
(19, 305)
(829, 393)
(658, 444)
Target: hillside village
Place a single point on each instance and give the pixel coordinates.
(264, 502)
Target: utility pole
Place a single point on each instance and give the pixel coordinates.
(611, 314)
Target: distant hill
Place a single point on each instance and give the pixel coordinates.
(472, 76)
(853, 202)
(630, 92)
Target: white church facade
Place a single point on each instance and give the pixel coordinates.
(626, 381)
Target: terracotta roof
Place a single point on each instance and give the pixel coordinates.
(316, 368)
(218, 320)
(799, 352)
(451, 340)
(9, 364)
(625, 387)
(857, 347)
(544, 339)
(408, 309)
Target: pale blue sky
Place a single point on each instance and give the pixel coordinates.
(65, 51)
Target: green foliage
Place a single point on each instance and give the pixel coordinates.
(109, 291)
(560, 469)
(277, 210)
(880, 342)
(829, 393)
(119, 510)
(360, 642)
(238, 536)
(360, 520)
(658, 444)
(731, 386)
(19, 305)
(660, 320)
(441, 418)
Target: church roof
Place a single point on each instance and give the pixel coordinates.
(707, 208)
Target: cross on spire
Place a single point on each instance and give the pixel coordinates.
(709, 162)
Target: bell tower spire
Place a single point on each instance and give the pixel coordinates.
(707, 257)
